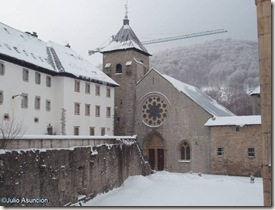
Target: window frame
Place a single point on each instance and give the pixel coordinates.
(48, 105)
(92, 131)
(118, 68)
(77, 108)
(87, 88)
(77, 86)
(2, 68)
(108, 92)
(108, 112)
(25, 75)
(97, 90)
(37, 78)
(76, 130)
(48, 81)
(37, 101)
(97, 111)
(220, 151)
(24, 101)
(87, 109)
(1, 97)
(103, 131)
(185, 152)
(251, 150)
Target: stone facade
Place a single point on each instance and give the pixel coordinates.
(229, 150)
(256, 104)
(134, 66)
(264, 20)
(61, 177)
(184, 122)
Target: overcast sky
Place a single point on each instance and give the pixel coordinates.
(88, 24)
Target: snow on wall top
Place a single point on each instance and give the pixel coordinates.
(48, 55)
(125, 39)
(206, 102)
(234, 120)
(256, 91)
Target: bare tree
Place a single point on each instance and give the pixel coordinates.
(10, 129)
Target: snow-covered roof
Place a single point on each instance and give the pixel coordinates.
(256, 91)
(203, 100)
(125, 39)
(48, 55)
(234, 120)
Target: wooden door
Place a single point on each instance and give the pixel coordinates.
(160, 159)
(152, 158)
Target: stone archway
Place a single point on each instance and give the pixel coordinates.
(155, 151)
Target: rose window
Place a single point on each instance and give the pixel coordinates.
(154, 111)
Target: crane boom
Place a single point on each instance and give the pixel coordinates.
(168, 39)
(186, 36)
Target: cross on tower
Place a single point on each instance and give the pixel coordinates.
(126, 9)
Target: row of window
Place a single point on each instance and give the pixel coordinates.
(250, 152)
(37, 102)
(92, 131)
(118, 68)
(88, 110)
(88, 89)
(25, 78)
(185, 152)
(25, 101)
(37, 105)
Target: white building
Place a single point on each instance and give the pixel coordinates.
(44, 85)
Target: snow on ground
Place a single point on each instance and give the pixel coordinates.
(177, 189)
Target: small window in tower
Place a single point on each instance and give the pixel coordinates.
(118, 68)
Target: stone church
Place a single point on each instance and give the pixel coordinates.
(168, 116)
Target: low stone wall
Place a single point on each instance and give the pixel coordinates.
(59, 177)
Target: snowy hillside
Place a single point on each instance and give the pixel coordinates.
(224, 69)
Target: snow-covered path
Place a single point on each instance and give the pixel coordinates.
(176, 189)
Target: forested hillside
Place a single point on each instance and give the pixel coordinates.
(227, 70)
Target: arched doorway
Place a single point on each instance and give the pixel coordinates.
(154, 151)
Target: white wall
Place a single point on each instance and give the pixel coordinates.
(61, 94)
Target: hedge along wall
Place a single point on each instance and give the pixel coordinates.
(60, 177)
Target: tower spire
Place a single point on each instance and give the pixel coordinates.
(126, 20)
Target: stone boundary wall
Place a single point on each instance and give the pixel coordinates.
(58, 177)
(59, 141)
(56, 143)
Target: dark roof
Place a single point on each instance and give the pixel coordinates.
(125, 39)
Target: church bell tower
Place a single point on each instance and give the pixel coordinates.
(126, 61)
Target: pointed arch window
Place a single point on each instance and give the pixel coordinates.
(118, 68)
(185, 151)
